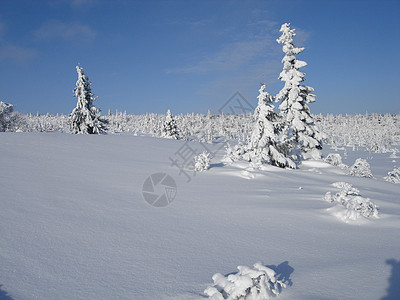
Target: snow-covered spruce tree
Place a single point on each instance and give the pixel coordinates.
(6, 116)
(85, 118)
(360, 168)
(170, 129)
(301, 136)
(263, 143)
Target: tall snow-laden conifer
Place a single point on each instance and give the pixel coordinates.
(263, 145)
(170, 129)
(85, 118)
(302, 137)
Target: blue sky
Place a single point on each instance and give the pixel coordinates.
(192, 56)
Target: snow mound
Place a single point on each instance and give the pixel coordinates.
(350, 205)
(361, 168)
(334, 159)
(258, 283)
(393, 176)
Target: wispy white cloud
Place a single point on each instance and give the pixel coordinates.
(190, 22)
(16, 53)
(230, 57)
(55, 29)
(82, 2)
(256, 45)
(75, 4)
(11, 51)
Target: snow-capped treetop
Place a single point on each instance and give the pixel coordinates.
(265, 101)
(6, 111)
(290, 73)
(5, 108)
(286, 39)
(83, 90)
(168, 116)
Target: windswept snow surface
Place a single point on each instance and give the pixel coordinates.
(74, 224)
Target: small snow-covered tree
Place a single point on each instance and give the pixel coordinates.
(301, 136)
(393, 176)
(360, 168)
(202, 162)
(85, 117)
(170, 129)
(263, 144)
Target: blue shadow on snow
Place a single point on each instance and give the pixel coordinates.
(283, 272)
(217, 165)
(393, 291)
(4, 295)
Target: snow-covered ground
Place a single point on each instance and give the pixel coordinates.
(74, 223)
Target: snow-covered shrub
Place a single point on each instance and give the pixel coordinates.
(350, 198)
(394, 153)
(334, 159)
(393, 176)
(233, 153)
(202, 162)
(361, 168)
(258, 283)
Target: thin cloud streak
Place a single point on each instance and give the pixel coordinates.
(55, 29)
(230, 57)
(11, 51)
(16, 53)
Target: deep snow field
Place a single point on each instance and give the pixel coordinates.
(74, 223)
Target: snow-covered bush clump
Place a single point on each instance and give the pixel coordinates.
(334, 159)
(258, 283)
(202, 162)
(393, 176)
(354, 204)
(233, 153)
(361, 168)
